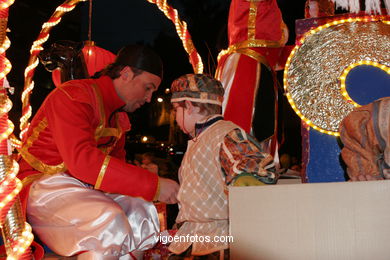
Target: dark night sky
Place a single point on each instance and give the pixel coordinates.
(115, 25)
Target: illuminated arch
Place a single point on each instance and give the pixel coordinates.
(69, 5)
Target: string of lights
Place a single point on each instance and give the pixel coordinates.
(16, 233)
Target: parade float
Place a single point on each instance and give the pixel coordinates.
(302, 220)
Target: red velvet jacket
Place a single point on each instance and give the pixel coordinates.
(70, 133)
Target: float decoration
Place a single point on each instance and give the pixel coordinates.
(16, 233)
(314, 78)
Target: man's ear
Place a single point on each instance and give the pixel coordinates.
(126, 73)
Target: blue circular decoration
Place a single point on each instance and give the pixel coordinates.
(366, 83)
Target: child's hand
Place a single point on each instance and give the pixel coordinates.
(246, 180)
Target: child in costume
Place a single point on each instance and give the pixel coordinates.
(219, 154)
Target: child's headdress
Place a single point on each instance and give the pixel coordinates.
(197, 88)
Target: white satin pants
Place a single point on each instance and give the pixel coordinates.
(70, 217)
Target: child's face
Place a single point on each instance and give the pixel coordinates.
(183, 119)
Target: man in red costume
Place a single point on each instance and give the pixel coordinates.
(256, 35)
(84, 198)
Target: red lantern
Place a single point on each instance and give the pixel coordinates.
(96, 59)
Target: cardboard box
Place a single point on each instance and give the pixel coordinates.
(327, 221)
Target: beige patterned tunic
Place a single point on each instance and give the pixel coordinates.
(203, 193)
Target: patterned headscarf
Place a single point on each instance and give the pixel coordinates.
(197, 88)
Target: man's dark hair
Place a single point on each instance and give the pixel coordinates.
(138, 57)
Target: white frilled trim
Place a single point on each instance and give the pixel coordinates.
(372, 6)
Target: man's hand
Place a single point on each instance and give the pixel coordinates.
(168, 190)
